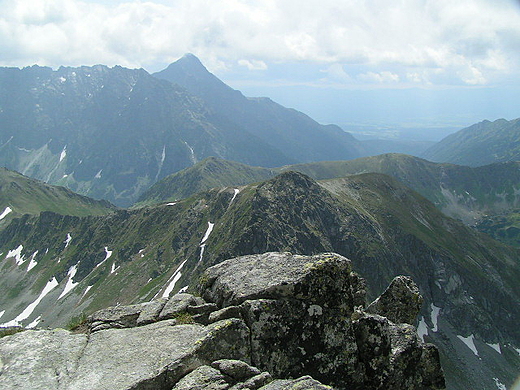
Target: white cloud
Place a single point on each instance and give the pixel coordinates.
(470, 41)
(253, 64)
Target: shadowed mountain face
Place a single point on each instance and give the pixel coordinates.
(480, 144)
(298, 136)
(113, 132)
(468, 281)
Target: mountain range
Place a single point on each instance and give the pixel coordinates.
(480, 144)
(70, 265)
(472, 195)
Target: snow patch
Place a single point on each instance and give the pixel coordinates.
(208, 232)
(114, 268)
(192, 153)
(70, 284)
(496, 347)
(422, 329)
(234, 195)
(202, 247)
(63, 153)
(500, 385)
(107, 256)
(86, 291)
(17, 254)
(171, 204)
(435, 316)
(470, 343)
(29, 309)
(184, 289)
(517, 350)
(67, 240)
(63, 79)
(5, 212)
(34, 323)
(98, 175)
(174, 279)
(32, 262)
(161, 163)
(2, 313)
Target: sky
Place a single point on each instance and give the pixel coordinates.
(367, 62)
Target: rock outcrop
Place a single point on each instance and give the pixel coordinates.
(261, 319)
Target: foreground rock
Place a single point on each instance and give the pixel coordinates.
(261, 319)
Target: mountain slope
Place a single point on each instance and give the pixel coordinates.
(469, 281)
(298, 136)
(22, 195)
(112, 132)
(461, 192)
(480, 144)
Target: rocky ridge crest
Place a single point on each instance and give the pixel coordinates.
(259, 317)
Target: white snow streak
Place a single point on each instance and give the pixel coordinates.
(107, 256)
(496, 347)
(517, 350)
(32, 263)
(234, 195)
(5, 212)
(114, 268)
(67, 240)
(192, 153)
(171, 204)
(2, 313)
(29, 309)
(184, 289)
(435, 316)
(98, 175)
(63, 153)
(17, 254)
(470, 343)
(175, 277)
(161, 163)
(422, 329)
(86, 291)
(34, 323)
(500, 385)
(208, 232)
(70, 284)
(202, 247)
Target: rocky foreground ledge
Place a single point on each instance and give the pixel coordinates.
(261, 321)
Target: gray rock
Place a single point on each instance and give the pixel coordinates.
(177, 304)
(321, 279)
(115, 317)
(255, 382)
(39, 359)
(236, 369)
(303, 383)
(400, 302)
(147, 357)
(225, 313)
(204, 377)
(150, 311)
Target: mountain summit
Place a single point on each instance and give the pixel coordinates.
(299, 137)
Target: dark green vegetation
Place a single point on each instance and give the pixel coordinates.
(468, 194)
(480, 144)
(502, 227)
(382, 226)
(24, 195)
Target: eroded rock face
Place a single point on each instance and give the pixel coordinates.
(263, 318)
(306, 317)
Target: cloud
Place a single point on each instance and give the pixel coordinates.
(253, 64)
(418, 41)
